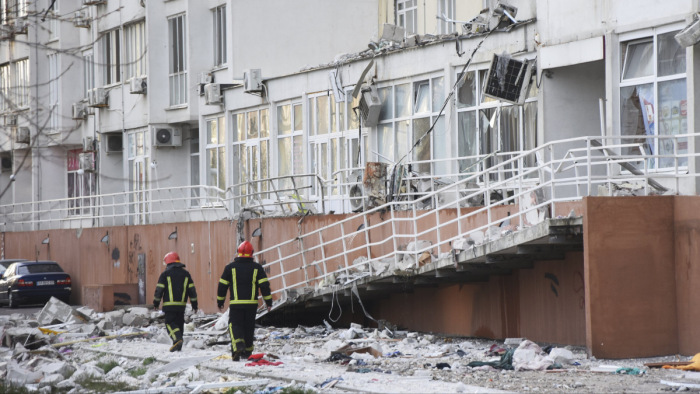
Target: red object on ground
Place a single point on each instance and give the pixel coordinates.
(261, 362)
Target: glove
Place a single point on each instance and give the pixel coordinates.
(220, 304)
(194, 306)
(155, 305)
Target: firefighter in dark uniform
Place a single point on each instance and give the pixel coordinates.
(243, 277)
(174, 286)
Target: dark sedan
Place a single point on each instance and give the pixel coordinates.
(34, 282)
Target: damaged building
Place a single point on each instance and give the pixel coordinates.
(519, 169)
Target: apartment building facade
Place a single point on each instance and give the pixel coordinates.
(136, 113)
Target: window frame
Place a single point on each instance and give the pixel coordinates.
(405, 10)
(218, 178)
(110, 46)
(135, 50)
(219, 41)
(655, 80)
(54, 103)
(250, 151)
(447, 8)
(177, 60)
(296, 133)
(84, 185)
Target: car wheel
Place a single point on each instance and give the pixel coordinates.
(12, 300)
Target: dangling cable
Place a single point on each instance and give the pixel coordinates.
(340, 310)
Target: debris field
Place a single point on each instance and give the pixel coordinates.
(76, 350)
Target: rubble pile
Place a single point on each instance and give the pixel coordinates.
(77, 350)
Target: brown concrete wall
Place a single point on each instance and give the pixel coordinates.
(552, 302)
(687, 262)
(629, 275)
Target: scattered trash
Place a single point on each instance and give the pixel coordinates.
(629, 371)
(694, 365)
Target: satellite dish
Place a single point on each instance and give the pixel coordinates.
(163, 136)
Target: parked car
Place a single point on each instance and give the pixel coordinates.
(6, 263)
(34, 282)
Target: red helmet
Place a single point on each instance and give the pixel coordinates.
(245, 249)
(171, 257)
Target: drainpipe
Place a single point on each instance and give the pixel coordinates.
(36, 183)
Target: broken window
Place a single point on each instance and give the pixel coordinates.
(414, 126)
(490, 131)
(653, 99)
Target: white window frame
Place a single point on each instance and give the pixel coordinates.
(195, 175)
(294, 133)
(251, 153)
(219, 39)
(177, 59)
(110, 57)
(135, 49)
(84, 186)
(446, 8)
(6, 87)
(484, 147)
(657, 164)
(20, 71)
(54, 89)
(407, 15)
(12, 10)
(392, 125)
(88, 73)
(215, 148)
(138, 153)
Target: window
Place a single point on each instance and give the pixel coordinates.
(654, 98)
(290, 144)
(138, 158)
(486, 126)
(5, 88)
(81, 185)
(219, 35)
(194, 165)
(13, 9)
(178, 58)
(135, 49)
(54, 22)
(446, 9)
(216, 154)
(88, 73)
(333, 147)
(21, 83)
(251, 141)
(110, 57)
(53, 125)
(408, 112)
(407, 15)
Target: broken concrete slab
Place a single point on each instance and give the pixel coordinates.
(17, 375)
(561, 356)
(57, 311)
(59, 367)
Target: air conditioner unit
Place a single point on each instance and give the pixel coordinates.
(114, 143)
(252, 81)
(138, 86)
(166, 136)
(10, 120)
(212, 94)
(508, 79)
(81, 20)
(79, 110)
(87, 161)
(88, 144)
(98, 97)
(21, 26)
(205, 78)
(6, 162)
(22, 135)
(370, 106)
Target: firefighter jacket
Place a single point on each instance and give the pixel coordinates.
(243, 277)
(174, 286)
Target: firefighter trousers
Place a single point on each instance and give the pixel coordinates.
(175, 324)
(241, 328)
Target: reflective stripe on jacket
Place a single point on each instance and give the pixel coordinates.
(242, 278)
(174, 286)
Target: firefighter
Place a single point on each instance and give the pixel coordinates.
(243, 277)
(174, 286)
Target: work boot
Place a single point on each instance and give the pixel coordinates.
(246, 354)
(236, 356)
(177, 346)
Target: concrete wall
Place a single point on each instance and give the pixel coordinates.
(629, 266)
